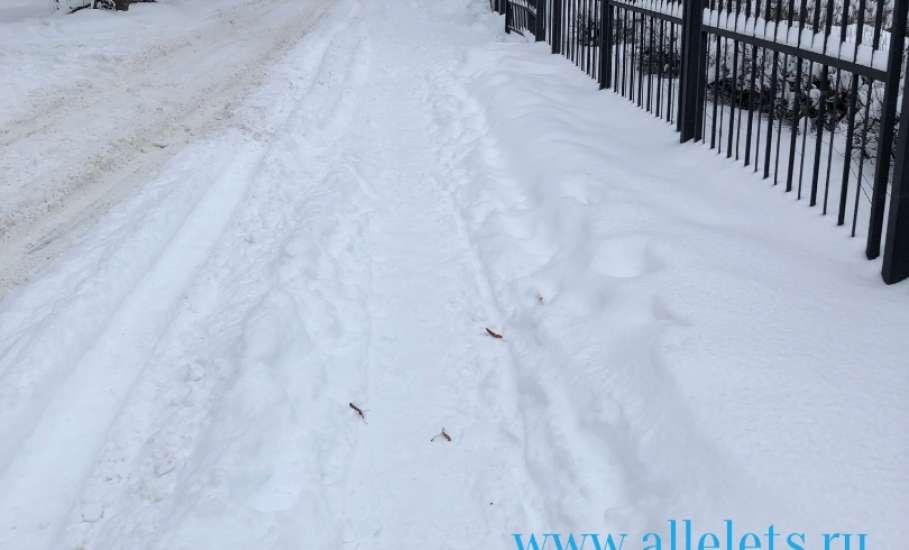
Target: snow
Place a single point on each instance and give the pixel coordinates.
(788, 33)
(679, 339)
(96, 102)
(18, 10)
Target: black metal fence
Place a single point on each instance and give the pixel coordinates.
(803, 92)
(525, 16)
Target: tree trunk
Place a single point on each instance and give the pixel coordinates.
(122, 5)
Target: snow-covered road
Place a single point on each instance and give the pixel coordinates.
(403, 179)
(96, 102)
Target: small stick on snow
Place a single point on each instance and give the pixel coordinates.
(359, 412)
(495, 335)
(443, 435)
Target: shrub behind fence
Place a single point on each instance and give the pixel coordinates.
(801, 91)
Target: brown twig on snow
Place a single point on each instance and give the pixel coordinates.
(495, 335)
(443, 434)
(359, 412)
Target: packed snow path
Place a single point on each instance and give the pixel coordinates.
(403, 181)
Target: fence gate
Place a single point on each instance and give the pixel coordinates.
(802, 92)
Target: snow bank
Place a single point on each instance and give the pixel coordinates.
(725, 351)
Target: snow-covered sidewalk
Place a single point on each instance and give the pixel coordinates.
(679, 340)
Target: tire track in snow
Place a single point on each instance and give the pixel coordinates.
(109, 271)
(97, 144)
(134, 329)
(216, 426)
(73, 422)
(45, 338)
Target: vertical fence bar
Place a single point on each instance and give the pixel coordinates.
(690, 95)
(606, 40)
(888, 122)
(556, 34)
(896, 247)
(540, 20)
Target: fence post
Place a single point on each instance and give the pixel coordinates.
(540, 21)
(605, 44)
(896, 247)
(556, 34)
(888, 123)
(690, 94)
(508, 12)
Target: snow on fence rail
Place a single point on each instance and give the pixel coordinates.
(803, 91)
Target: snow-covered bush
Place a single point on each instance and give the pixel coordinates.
(752, 80)
(801, 93)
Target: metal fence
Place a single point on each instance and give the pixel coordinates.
(526, 16)
(802, 92)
